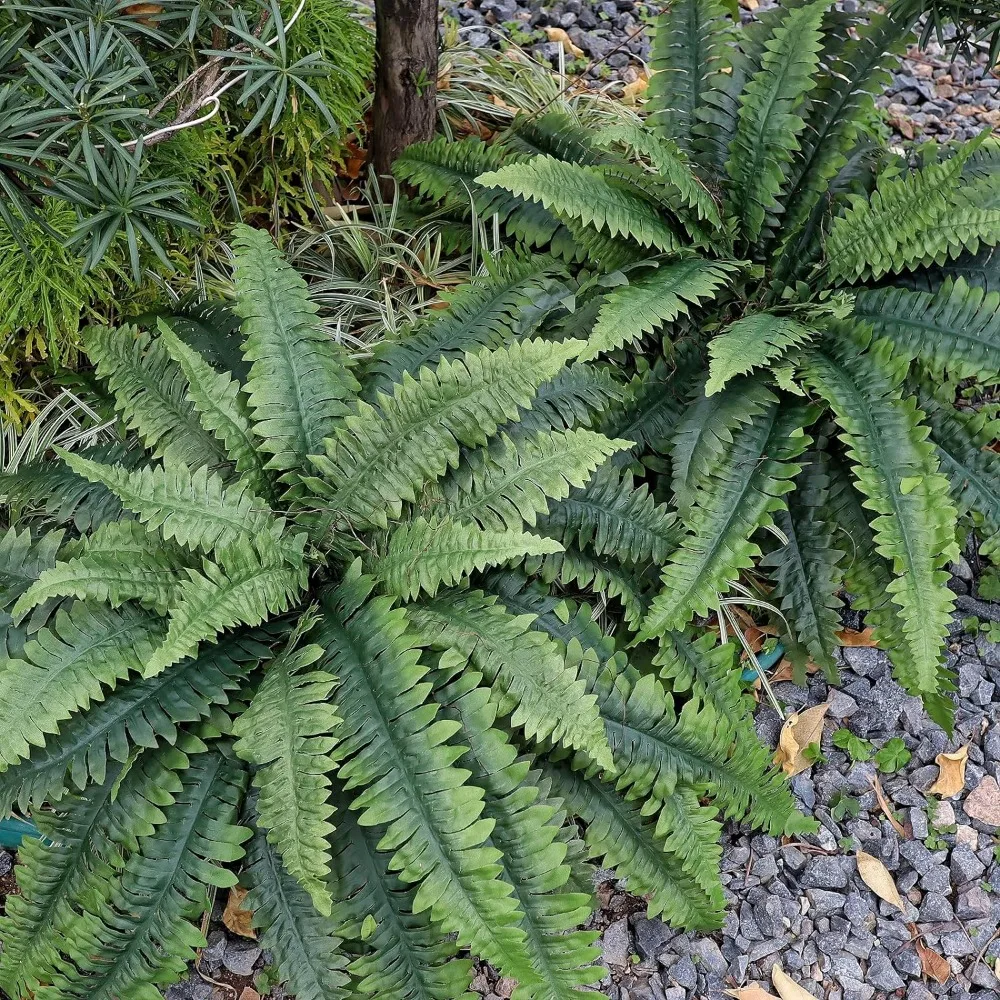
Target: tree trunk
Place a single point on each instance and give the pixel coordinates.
(405, 81)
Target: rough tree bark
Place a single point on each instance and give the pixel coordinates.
(405, 80)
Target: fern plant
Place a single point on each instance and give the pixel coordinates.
(320, 626)
(794, 305)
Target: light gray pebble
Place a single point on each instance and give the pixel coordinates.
(240, 957)
(973, 904)
(822, 902)
(617, 944)
(684, 973)
(856, 989)
(710, 956)
(937, 878)
(936, 908)
(881, 974)
(965, 866)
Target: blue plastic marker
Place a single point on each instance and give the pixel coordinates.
(13, 831)
(765, 661)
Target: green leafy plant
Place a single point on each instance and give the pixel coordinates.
(794, 305)
(892, 756)
(843, 806)
(857, 748)
(315, 624)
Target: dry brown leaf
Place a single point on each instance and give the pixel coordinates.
(787, 988)
(559, 35)
(932, 964)
(848, 637)
(886, 808)
(784, 671)
(876, 876)
(799, 731)
(751, 992)
(633, 91)
(236, 919)
(902, 125)
(749, 4)
(249, 993)
(951, 779)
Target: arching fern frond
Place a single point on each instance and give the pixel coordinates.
(586, 194)
(488, 312)
(749, 343)
(514, 482)
(688, 49)
(766, 136)
(65, 667)
(653, 299)
(954, 330)
(896, 470)
(530, 678)
(526, 832)
(741, 495)
(287, 734)
(308, 954)
(379, 457)
(704, 668)
(300, 382)
(400, 766)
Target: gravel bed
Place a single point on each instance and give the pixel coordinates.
(803, 905)
(932, 96)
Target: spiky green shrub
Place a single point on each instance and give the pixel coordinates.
(309, 628)
(796, 305)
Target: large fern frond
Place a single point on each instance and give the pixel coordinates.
(766, 136)
(308, 954)
(749, 343)
(487, 312)
(194, 507)
(704, 668)
(688, 49)
(586, 194)
(530, 678)
(149, 935)
(119, 562)
(66, 666)
(896, 470)
(300, 382)
(806, 572)
(151, 394)
(379, 457)
(218, 398)
(396, 752)
(526, 831)
(740, 496)
(287, 734)
(250, 583)
(655, 298)
(954, 331)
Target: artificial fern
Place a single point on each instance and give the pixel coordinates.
(827, 284)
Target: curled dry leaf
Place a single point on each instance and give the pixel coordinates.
(887, 808)
(751, 992)
(559, 35)
(932, 964)
(236, 919)
(800, 731)
(876, 876)
(787, 988)
(951, 779)
(634, 90)
(848, 637)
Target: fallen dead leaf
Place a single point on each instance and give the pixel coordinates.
(633, 91)
(249, 993)
(787, 988)
(749, 4)
(751, 992)
(849, 637)
(876, 876)
(932, 964)
(785, 671)
(887, 808)
(902, 125)
(236, 919)
(951, 779)
(559, 35)
(799, 731)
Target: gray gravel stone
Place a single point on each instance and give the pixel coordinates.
(710, 956)
(651, 937)
(241, 956)
(683, 973)
(936, 908)
(822, 902)
(617, 944)
(827, 872)
(881, 974)
(965, 866)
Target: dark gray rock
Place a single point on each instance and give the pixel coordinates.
(936, 908)
(683, 973)
(881, 974)
(241, 956)
(965, 866)
(822, 902)
(710, 956)
(651, 937)
(973, 904)
(827, 872)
